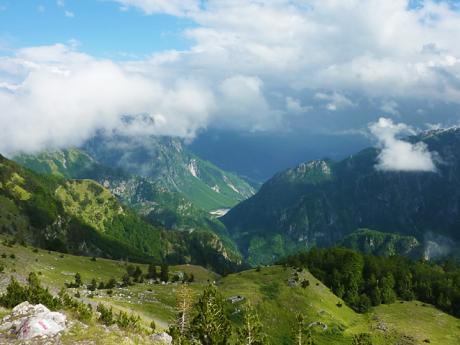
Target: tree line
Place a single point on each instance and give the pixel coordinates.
(363, 281)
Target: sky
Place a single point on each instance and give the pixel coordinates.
(323, 69)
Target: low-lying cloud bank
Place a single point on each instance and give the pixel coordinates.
(66, 96)
(397, 154)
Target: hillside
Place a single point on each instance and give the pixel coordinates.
(169, 164)
(154, 203)
(383, 244)
(82, 217)
(319, 202)
(274, 292)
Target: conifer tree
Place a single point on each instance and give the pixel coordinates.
(302, 336)
(93, 285)
(164, 273)
(137, 274)
(78, 280)
(299, 330)
(251, 331)
(152, 272)
(184, 308)
(210, 325)
(180, 331)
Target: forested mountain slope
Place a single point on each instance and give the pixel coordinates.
(82, 217)
(320, 202)
(153, 202)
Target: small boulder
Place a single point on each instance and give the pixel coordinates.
(162, 338)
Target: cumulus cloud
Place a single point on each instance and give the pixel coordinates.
(397, 154)
(376, 47)
(250, 65)
(65, 97)
(243, 104)
(334, 101)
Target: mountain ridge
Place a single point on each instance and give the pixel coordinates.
(317, 203)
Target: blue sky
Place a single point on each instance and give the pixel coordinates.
(101, 27)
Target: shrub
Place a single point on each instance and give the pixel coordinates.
(153, 326)
(130, 322)
(106, 314)
(111, 283)
(33, 292)
(305, 283)
(93, 285)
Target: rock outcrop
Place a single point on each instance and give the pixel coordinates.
(28, 321)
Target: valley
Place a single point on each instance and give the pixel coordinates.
(269, 288)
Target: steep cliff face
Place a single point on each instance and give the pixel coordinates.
(318, 203)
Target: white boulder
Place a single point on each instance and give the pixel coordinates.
(39, 326)
(28, 321)
(162, 338)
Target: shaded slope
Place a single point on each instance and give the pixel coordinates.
(319, 202)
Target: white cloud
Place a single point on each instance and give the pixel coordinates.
(60, 3)
(252, 63)
(64, 97)
(370, 46)
(173, 7)
(243, 105)
(69, 14)
(334, 101)
(397, 154)
(389, 107)
(294, 105)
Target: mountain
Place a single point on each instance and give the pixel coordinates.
(319, 202)
(169, 164)
(82, 217)
(152, 201)
(383, 244)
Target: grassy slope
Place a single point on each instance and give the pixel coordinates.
(76, 163)
(200, 191)
(64, 163)
(276, 301)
